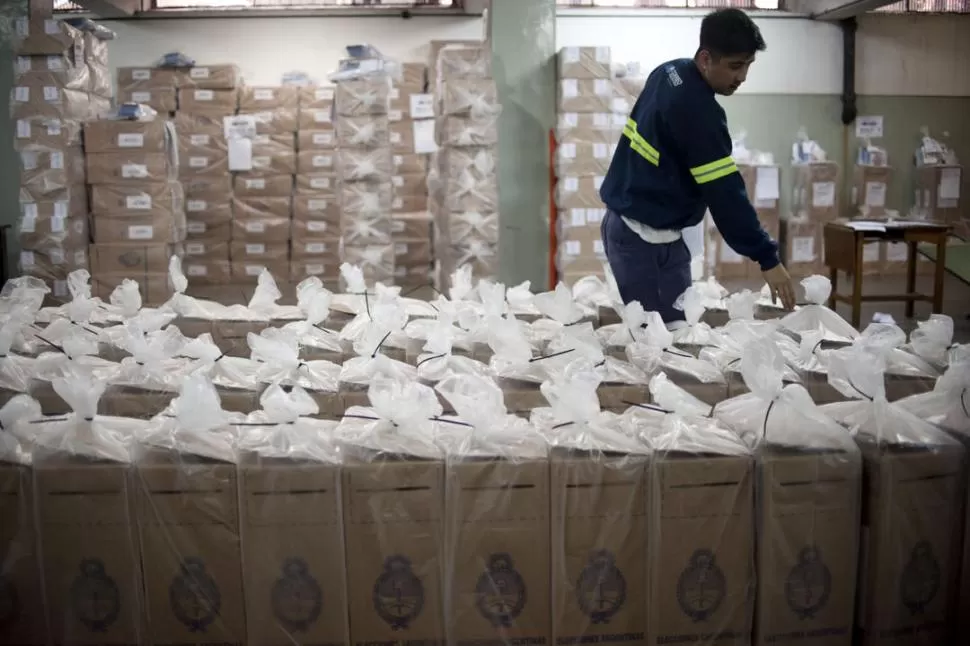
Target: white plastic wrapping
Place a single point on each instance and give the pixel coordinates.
(354, 300)
(278, 353)
(437, 361)
(816, 316)
(932, 341)
(313, 300)
(16, 371)
(948, 404)
(693, 302)
(558, 308)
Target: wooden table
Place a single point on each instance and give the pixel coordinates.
(843, 244)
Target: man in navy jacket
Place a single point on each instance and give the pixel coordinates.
(673, 162)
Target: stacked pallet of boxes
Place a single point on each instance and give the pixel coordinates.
(316, 210)
(263, 196)
(587, 133)
(465, 175)
(206, 95)
(814, 202)
(151, 86)
(364, 171)
(411, 117)
(137, 204)
(61, 80)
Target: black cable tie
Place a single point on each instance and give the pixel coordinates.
(764, 426)
(963, 402)
(53, 345)
(379, 345)
(431, 358)
(563, 425)
(853, 387)
(656, 409)
(576, 322)
(678, 353)
(551, 356)
(451, 421)
(320, 327)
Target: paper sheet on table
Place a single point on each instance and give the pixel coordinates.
(879, 227)
(949, 184)
(766, 184)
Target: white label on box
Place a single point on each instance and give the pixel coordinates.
(395, 137)
(595, 216)
(55, 64)
(823, 194)
(197, 270)
(139, 202)
(572, 248)
(400, 248)
(60, 212)
(394, 115)
(204, 95)
(21, 94)
(620, 106)
(767, 184)
(316, 247)
(255, 248)
(23, 64)
(802, 249)
(601, 151)
(60, 288)
(397, 181)
(394, 94)
(199, 73)
(397, 203)
(56, 256)
(141, 232)
(194, 206)
(242, 126)
(198, 162)
(577, 217)
(199, 140)
(141, 75)
(51, 93)
(876, 194)
(322, 138)
(868, 127)
(54, 128)
(263, 161)
(314, 270)
(256, 184)
(317, 205)
(323, 94)
(567, 150)
(28, 160)
(57, 224)
(29, 209)
(28, 224)
(316, 227)
(254, 270)
(570, 184)
(949, 188)
(423, 132)
(264, 94)
(27, 259)
(569, 119)
(134, 171)
(598, 181)
(870, 252)
(141, 97)
(569, 88)
(255, 227)
(194, 248)
(195, 227)
(570, 54)
(23, 129)
(319, 182)
(57, 160)
(321, 116)
(897, 252)
(598, 247)
(602, 119)
(131, 140)
(322, 161)
(603, 87)
(422, 106)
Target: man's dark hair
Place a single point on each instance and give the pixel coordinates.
(730, 32)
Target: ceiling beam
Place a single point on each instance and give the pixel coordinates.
(112, 8)
(834, 9)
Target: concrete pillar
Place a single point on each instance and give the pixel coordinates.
(523, 36)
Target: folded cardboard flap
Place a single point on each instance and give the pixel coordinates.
(21, 598)
(90, 556)
(188, 520)
(599, 534)
(701, 549)
(497, 564)
(393, 532)
(293, 551)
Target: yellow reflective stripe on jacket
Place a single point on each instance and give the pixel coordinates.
(714, 170)
(639, 144)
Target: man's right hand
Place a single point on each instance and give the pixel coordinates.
(779, 282)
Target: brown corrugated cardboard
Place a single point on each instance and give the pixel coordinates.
(579, 192)
(46, 133)
(273, 161)
(51, 175)
(209, 189)
(410, 184)
(316, 184)
(724, 262)
(33, 71)
(802, 244)
(295, 579)
(367, 131)
(203, 162)
(200, 124)
(206, 250)
(207, 272)
(136, 228)
(413, 276)
(583, 158)
(314, 162)
(209, 210)
(359, 97)
(208, 102)
(261, 229)
(599, 539)
(410, 102)
(808, 547)
(411, 226)
(316, 140)
(461, 59)
(281, 121)
(89, 551)
(204, 141)
(131, 258)
(410, 163)
(497, 514)
(701, 569)
(163, 100)
(254, 98)
(325, 250)
(412, 253)
(326, 272)
(462, 96)
(394, 569)
(213, 77)
(413, 75)
(157, 199)
(316, 97)
(363, 165)
(315, 119)
(255, 252)
(48, 231)
(763, 185)
(325, 208)
(202, 229)
(145, 78)
(816, 192)
(127, 168)
(120, 136)
(584, 62)
(248, 272)
(303, 230)
(376, 261)
(188, 521)
(261, 207)
(938, 192)
(469, 228)
(409, 203)
(54, 262)
(585, 95)
(23, 616)
(589, 127)
(264, 186)
(870, 186)
(371, 229)
(40, 35)
(33, 98)
(155, 288)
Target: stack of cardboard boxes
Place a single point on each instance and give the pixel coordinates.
(364, 171)
(465, 175)
(263, 194)
(315, 233)
(411, 117)
(588, 129)
(815, 201)
(151, 86)
(60, 80)
(206, 95)
(137, 204)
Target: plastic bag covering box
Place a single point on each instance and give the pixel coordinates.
(188, 524)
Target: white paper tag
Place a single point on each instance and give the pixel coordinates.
(322, 138)
(29, 209)
(321, 116)
(262, 161)
(204, 95)
(823, 194)
(400, 248)
(570, 184)
(134, 171)
(21, 94)
(141, 232)
(601, 151)
(255, 227)
(56, 256)
(23, 129)
(199, 140)
(196, 270)
(256, 184)
(254, 270)
(569, 88)
(194, 248)
(28, 160)
(317, 205)
(567, 150)
(572, 247)
(870, 252)
(28, 224)
(598, 247)
(255, 248)
(195, 206)
(322, 161)
(875, 194)
(320, 182)
(60, 211)
(397, 181)
(264, 94)
(131, 140)
(316, 247)
(138, 202)
(570, 54)
(595, 216)
(195, 227)
(57, 160)
(141, 97)
(949, 188)
(51, 93)
(569, 119)
(261, 139)
(60, 288)
(802, 249)
(55, 64)
(603, 55)
(394, 115)
(314, 270)
(23, 64)
(27, 259)
(316, 226)
(199, 73)
(141, 75)
(422, 106)
(54, 128)
(577, 217)
(198, 162)
(603, 87)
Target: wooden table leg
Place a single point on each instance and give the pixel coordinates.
(834, 279)
(857, 281)
(911, 278)
(939, 275)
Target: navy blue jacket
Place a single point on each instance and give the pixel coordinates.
(674, 160)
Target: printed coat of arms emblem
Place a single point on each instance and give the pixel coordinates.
(701, 586)
(297, 597)
(398, 594)
(194, 596)
(601, 589)
(500, 592)
(95, 597)
(920, 579)
(809, 584)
